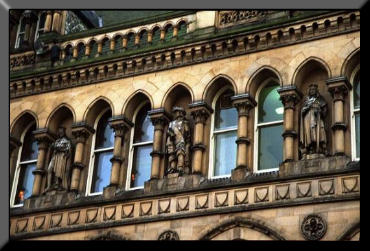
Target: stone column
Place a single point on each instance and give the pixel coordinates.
(150, 37)
(112, 45)
(162, 35)
(338, 88)
(44, 138)
(48, 21)
(74, 53)
(243, 104)
(81, 132)
(87, 51)
(124, 43)
(159, 119)
(56, 26)
(200, 112)
(120, 125)
(29, 18)
(137, 40)
(175, 32)
(100, 48)
(289, 96)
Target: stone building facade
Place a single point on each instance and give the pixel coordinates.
(240, 78)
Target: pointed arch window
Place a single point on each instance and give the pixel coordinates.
(269, 128)
(20, 33)
(356, 116)
(223, 135)
(103, 144)
(26, 164)
(40, 25)
(141, 147)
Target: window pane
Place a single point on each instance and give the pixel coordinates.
(143, 127)
(168, 34)
(270, 147)
(29, 148)
(356, 92)
(142, 165)
(225, 154)
(104, 134)
(270, 107)
(102, 169)
(357, 122)
(226, 114)
(25, 183)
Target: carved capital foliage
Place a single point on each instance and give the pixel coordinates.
(338, 87)
(289, 96)
(159, 118)
(243, 103)
(43, 138)
(120, 125)
(313, 227)
(200, 111)
(81, 132)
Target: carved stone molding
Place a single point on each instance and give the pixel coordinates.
(168, 235)
(313, 227)
(227, 18)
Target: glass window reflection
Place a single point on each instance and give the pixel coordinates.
(104, 134)
(270, 107)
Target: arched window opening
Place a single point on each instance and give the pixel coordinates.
(130, 41)
(141, 147)
(105, 46)
(80, 51)
(269, 129)
(169, 33)
(117, 43)
(143, 38)
(20, 33)
(27, 160)
(156, 36)
(182, 29)
(224, 134)
(103, 143)
(356, 115)
(40, 25)
(93, 49)
(68, 53)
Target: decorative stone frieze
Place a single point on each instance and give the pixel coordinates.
(227, 18)
(168, 236)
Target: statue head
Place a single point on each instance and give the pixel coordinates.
(61, 132)
(313, 90)
(178, 112)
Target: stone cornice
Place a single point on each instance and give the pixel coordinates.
(188, 54)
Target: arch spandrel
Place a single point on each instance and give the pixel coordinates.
(133, 101)
(350, 63)
(186, 90)
(95, 107)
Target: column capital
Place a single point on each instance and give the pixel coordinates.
(81, 131)
(200, 111)
(338, 87)
(243, 103)
(159, 117)
(289, 96)
(43, 137)
(120, 125)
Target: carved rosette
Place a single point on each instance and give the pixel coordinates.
(169, 236)
(313, 227)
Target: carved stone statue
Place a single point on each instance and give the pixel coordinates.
(60, 165)
(312, 127)
(178, 143)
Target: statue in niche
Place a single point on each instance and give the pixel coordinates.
(178, 143)
(60, 165)
(312, 138)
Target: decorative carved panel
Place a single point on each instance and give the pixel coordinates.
(169, 236)
(313, 227)
(21, 226)
(38, 223)
(109, 213)
(228, 18)
(350, 184)
(55, 220)
(221, 199)
(164, 206)
(282, 192)
(73, 217)
(261, 194)
(326, 187)
(201, 201)
(145, 208)
(241, 197)
(182, 204)
(127, 211)
(304, 189)
(91, 215)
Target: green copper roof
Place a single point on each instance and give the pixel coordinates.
(122, 16)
